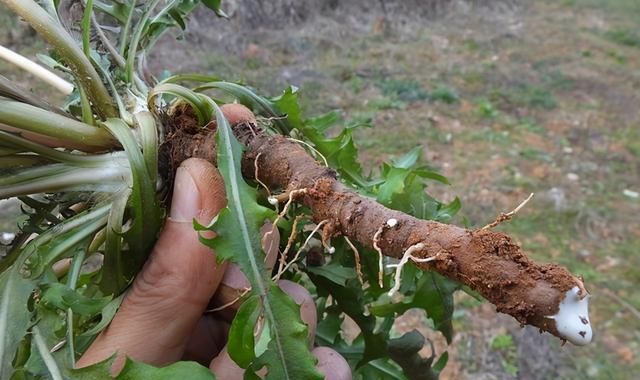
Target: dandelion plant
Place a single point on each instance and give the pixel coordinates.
(94, 177)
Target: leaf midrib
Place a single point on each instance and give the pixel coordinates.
(4, 310)
(239, 211)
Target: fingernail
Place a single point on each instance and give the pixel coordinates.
(185, 204)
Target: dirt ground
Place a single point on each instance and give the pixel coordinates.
(506, 98)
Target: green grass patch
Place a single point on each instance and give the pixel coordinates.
(617, 57)
(556, 226)
(503, 343)
(444, 94)
(626, 37)
(525, 95)
(535, 154)
(630, 137)
(526, 125)
(387, 103)
(627, 7)
(557, 80)
(471, 45)
(403, 90)
(486, 109)
(356, 84)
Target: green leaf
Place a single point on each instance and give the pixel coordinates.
(113, 277)
(15, 317)
(97, 371)
(446, 212)
(117, 9)
(148, 130)
(41, 211)
(404, 351)
(144, 209)
(85, 27)
(241, 340)
(108, 312)
(133, 370)
(214, 5)
(141, 26)
(380, 369)
(417, 202)
(177, 17)
(402, 187)
(198, 103)
(430, 174)
(323, 122)
(409, 159)
(246, 96)
(237, 225)
(287, 355)
(29, 118)
(340, 152)
(288, 103)
(50, 363)
(329, 328)
(50, 329)
(238, 239)
(62, 297)
(434, 294)
(173, 14)
(394, 184)
(67, 238)
(351, 301)
(335, 273)
(441, 363)
(179, 370)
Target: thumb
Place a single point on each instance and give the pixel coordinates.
(171, 292)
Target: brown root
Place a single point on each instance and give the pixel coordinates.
(486, 261)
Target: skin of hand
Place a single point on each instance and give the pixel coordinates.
(162, 318)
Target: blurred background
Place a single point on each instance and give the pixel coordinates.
(505, 98)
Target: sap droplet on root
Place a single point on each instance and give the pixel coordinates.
(572, 319)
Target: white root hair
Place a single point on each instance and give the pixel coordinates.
(406, 256)
(292, 238)
(376, 238)
(282, 214)
(316, 151)
(230, 303)
(356, 255)
(297, 255)
(255, 174)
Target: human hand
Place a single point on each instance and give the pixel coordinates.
(162, 318)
